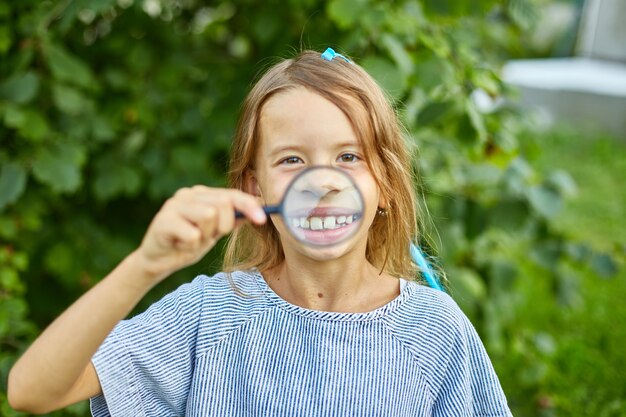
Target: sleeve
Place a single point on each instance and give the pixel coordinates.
(470, 386)
(146, 364)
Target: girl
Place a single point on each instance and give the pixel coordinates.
(288, 329)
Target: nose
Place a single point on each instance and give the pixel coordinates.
(322, 182)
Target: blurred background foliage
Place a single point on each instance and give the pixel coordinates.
(108, 106)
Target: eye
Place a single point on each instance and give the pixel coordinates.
(291, 160)
(348, 157)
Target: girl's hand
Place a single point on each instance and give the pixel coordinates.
(188, 226)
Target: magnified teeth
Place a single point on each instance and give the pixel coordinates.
(330, 222)
(322, 223)
(316, 223)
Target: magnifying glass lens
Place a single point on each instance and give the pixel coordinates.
(322, 206)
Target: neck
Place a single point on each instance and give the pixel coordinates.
(345, 284)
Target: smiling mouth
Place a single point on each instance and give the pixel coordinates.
(323, 223)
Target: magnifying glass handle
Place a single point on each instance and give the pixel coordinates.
(267, 209)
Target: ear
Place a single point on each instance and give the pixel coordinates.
(383, 203)
(251, 186)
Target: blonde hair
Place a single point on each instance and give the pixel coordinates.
(375, 123)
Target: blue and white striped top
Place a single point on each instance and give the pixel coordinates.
(208, 350)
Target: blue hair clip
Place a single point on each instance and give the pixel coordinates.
(427, 271)
(330, 53)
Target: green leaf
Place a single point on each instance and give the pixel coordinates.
(467, 288)
(14, 116)
(9, 280)
(509, 215)
(487, 81)
(476, 220)
(68, 68)
(134, 142)
(436, 42)
(547, 254)
(387, 74)
(102, 129)
(502, 274)
(29, 123)
(113, 180)
(59, 166)
(568, 286)
(19, 260)
(517, 176)
(431, 72)
(8, 228)
(579, 252)
(35, 126)
(187, 159)
(100, 5)
(21, 88)
(604, 265)
(444, 7)
(69, 100)
(345, 12)
(12, 183)
(457, 8)
(432, 112)
(481, 175)
(61, 260)
(545, 200)
(523, 13)
(6, 40)
(545, 343)
(398, 52)
(563, 182)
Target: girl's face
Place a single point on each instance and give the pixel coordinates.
(300, 129)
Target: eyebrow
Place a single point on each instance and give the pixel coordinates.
(282, 149)
(286, 148)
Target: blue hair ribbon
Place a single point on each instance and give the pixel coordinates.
(427, 271)
(330, 53)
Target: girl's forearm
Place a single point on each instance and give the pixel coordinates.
(56, 370)
(52, 370)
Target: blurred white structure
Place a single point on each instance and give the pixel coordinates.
(589, 90)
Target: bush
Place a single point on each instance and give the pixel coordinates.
(108, 106)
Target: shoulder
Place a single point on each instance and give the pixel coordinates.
(228, 284)
(204, 297)
(431, 326)
(237, 292)
(230, 300)
(438, 335)
(428, 310)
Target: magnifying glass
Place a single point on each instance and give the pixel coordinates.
(321, 207)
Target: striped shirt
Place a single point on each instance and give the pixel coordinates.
(209, 350)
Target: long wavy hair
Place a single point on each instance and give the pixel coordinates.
(386, 150)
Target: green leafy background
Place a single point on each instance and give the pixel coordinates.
(108, 106)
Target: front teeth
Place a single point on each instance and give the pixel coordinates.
(316, 223)
(319, 223)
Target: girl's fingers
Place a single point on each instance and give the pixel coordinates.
(175, 232)
(213, 211)
(249, 206)
(227, 202)
(190, 223)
